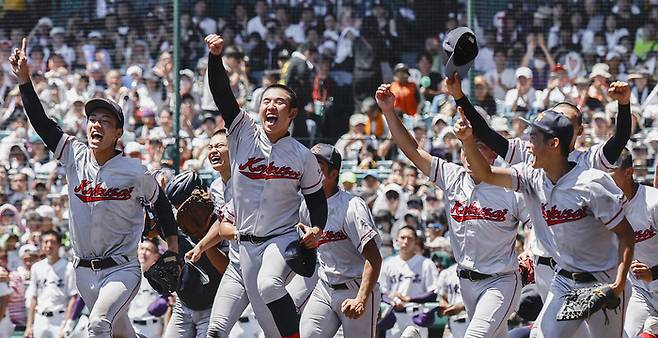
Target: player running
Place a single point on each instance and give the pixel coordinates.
(106, 216)
(270, 168)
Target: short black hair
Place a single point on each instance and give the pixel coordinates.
(307, 47)
(564, 147)
(409, 228)
(220, 131)
(291, 93)
(57, 235)
(625, 159)
(425, 55)
(579, 114)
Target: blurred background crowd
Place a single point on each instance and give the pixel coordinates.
(334, 54)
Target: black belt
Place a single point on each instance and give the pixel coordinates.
(549, 261)
(341, 286)
(472, 275)
(404, 309)
(243, 319)
(460, 320)
(578, 277)
(145, 322)
(51, 313)
(98, 264)
(255, 239)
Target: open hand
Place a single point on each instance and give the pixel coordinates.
(353, 308)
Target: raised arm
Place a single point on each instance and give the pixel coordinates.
(218, 81)
(479, 166)
(399, 133)
(481, 128)
(612, 148)
(47, 129)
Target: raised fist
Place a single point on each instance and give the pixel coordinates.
(215, 43)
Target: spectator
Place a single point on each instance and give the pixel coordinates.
(483, 97)
(523, 96)
(368, 50)
(539, 60)
(501, 79)
(559, 89)
(376, 124)
(6, 326)
(407, 96)
(615, 66)
(640, 88)
(597, 94)
(349, 145)
(484, 62)
(257, 23)
(297, 32)
(430, 81)
(646, 42)
(613, 33)
(297, 74)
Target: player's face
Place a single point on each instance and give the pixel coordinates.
(49, 245)
(218, 152)
(574, 117)
(622, 176)
(330, 174)
(538, 147)
(275, 112)
(406, 240)
(103, 130)
(147, 254)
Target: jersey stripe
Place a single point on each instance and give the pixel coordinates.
(614, 217)
(236, 123)
(512, 153)
(313, 185)
(61, 151)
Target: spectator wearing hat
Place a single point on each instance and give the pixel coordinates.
(407, 95)
(350, 144)
(598, 91)
(483, 97)
(522, 97)
(616, 67)
(58, 45)
(559, 89)
(640, 88)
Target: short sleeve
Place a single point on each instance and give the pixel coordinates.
(522, 214)
(311, 180)
(72, 290)
(443, 173)
(360, 227)
(606, 201)
(516, 151)
(150, 187)
(525, 179)
(442, 283)
(242, 128)
(67, 148)
(597, 160)
(431, 275)
(217, 195)
(228, 211)
(31, 290)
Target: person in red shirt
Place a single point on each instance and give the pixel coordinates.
(407, 96)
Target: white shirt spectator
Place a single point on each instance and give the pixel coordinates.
(257, 25)
(500, 82)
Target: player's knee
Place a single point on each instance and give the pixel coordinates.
(216, 331)
(100, 327)
(271, 289)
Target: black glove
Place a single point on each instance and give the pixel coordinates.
(163, 275)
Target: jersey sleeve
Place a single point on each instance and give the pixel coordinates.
(31, 290)
(217, 195)
(243, 129)
(71, 289)
(384, 284)
(5, 289)
(360, 226)
(522, 214)
(430, 275)
(442, 283)
(311, 180)
(443, 173)
(150, 187)
(596, 158)
(606, 201)
(67, 150)
(516, 151)
(304, 214)
(525, 179)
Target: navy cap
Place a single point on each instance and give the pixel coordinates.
(461, 47)
(328, 153)
(106, 104)
(555, 124)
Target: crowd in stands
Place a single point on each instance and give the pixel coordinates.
(334, 54)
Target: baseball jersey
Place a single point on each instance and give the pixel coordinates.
(517, 152)
(138, 309)
(642, 214)
(53, 285)
(575, 215)
(222, 199)
(270, 177)
(414, 277)
(106, 216)
(450, 289)
(349, 228)
(482, 219)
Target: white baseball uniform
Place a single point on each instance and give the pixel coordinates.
(575, 217)
(106, 221)
(350, 227)
(517, 152)
(642, 214)
(6, 326)
(413, 278)
(483, 221)
(450, 289)
(270, 178)
(143, 322)
(53, 286)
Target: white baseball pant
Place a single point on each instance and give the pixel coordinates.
(6, 326)
(403, 320)
(247, 326)
(107, 294)
(187, 323)
(457, 326)
(543, 277)
(152, 328)
(322, 315)
(641, 306)
(549, 327)
(48, 327)
(489, 303)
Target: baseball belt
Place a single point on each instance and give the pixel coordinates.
(51, 313)
(145, 322)
(472, 275)
(342, 286)
(255, 239)
(548, 261)
(97, 264)
(578, 277)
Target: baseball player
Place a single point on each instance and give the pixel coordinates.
(515, 150)
(451, 295)
(349, 261)
(52, 292)
(271, 169)
(642, 214)
(106, 191)
(142, 312)
(578, 210)
(482, 219)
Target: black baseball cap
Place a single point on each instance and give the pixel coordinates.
(327, 152)
(461, 48)
(108, 105)
(553, 123)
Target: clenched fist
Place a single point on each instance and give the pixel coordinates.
(620, 91)
(385, 98)
(215, 43)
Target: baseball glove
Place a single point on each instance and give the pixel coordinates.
(163, 275)
(195, 213)
(582, 303)
(527, 270)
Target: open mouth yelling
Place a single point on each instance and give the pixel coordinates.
(270, 120)
(215, 159)
(96, 137)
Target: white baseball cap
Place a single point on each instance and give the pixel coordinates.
(357, 119)
(134, 70)
(524, 71)
(46, 211)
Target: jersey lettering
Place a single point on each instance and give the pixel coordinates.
(256, 171)
(643, 235)
(86, 193)
(394, 279)
(554, 216)
(461, 212)
(331, 236)
(42, 283)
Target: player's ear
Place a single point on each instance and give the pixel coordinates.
(293, 113)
